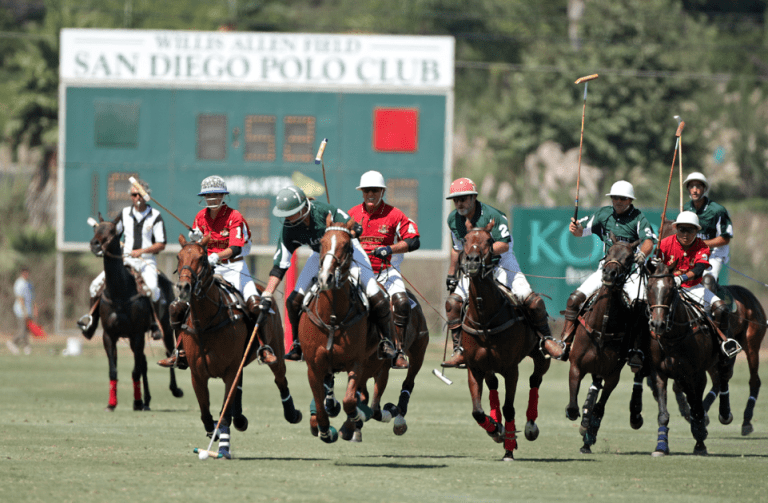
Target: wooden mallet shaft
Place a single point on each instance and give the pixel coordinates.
(319, 160)
(585, 80)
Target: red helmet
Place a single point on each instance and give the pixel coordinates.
(462, 187)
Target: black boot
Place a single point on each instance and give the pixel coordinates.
(382, 317)
(453, 314)
(572, 309)
(401, 305)
(90, 321)
(538, 312)
(721, 316)
(264, 352)
(293, 306)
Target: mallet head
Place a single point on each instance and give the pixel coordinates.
(586, 78)
(319, 156)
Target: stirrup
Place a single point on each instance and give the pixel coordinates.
(459, 351)
(85, 322)
(260, 356)
(387, 350)
(730, 348)
(543, 349)
(295, 354)
(635, 359)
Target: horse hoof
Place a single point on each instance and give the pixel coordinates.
(313, 429)
(706, 419)
(636, 423)
(357, 436)
(296, 417)
(582, 430)
(700, 451)
(746, 429)
(146, 407)
(726, 420)
(334, 410)
(531, 431)
(659, 454)
(585, 450)
(110, 408)
(177, 393)
(400, 426)
(347, 433)
(138, 405)
(329, 436)
(508, 456)
(240, 423)
(572, 414)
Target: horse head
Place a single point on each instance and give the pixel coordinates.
(105, 239)
(335, 253)
(193, 268)
(618, 262)
(478, 252)
(661, 295)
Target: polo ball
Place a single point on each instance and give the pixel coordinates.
(203, 455)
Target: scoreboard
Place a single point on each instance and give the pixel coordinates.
(173, 107)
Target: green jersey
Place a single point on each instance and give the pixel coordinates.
(628, 227)
(294, 237)
(714, 221)
(483, 215)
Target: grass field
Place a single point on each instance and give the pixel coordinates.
(58, 443)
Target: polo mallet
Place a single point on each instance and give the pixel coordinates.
(669, 184)
(437, 373)
(679, 148)
(147, 198)
(319, 160)
(585, 80)
(203, 454)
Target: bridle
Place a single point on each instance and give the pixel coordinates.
(203, 279)
(671, 307)
(104, 245)
(341, 272)
(482, 264)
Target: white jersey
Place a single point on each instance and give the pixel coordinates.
(141, 230)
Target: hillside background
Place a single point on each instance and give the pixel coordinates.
(517, 110)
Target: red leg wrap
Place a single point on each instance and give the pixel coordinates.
(493, 395)
(510, 441)
(137, 390)
(113, 393)
(488, 425)
(533, 404)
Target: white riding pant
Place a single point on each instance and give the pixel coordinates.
(360, 269)
(146, 266)
(392, 280)
(632, 286)
(702, 295)
(514, 280)
(238, 274)
(717, 264)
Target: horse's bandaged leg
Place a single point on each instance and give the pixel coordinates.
(510, 436)
(113, 393)
(533, 404)
(493, 395)
(137, 390)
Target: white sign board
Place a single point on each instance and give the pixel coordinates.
(170, 58)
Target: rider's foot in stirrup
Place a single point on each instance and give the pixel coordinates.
(388, 351)
(267, 356)
(730, 348)
(177, 360)
(85, 322)
(399, 362)
(635, 359)
(156, 333)
(295, 353)
(456, 360)
(551, 347)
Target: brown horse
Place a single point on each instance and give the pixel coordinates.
(335, 334)
(496, 337)
(683, 347)
(124, 312)
(601, 341)
(215, 335)
(415, 347)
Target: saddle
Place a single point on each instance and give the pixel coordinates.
(592, 332)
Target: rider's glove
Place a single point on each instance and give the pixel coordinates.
(214, 259)
(451, 282)
(382, 252)
(680, 279)
(639, 258)
(266, 302)
(195, 235)
(357, 229)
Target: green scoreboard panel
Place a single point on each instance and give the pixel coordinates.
(155, 114)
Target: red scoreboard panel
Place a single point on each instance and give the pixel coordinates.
(396, 129)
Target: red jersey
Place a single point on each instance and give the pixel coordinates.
(385, 227)
(697, 253)
(229, 228)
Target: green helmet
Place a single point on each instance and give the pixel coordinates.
(290, 201)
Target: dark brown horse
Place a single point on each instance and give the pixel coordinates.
(124, 312)
(215, 335)
(496, 337)
(601, 341)
(683, 347)
(335, 334)
(415, 347)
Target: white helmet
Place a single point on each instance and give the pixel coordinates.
(688, 218)
(212, 187)
(698, 177)
(622, 189)
(371, 179)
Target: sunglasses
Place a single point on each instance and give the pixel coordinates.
(617, 198)
(687, 230)
(133, 194)
(461, 199)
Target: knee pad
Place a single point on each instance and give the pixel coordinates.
(453, 310)
(710, 283)
(293, 304)
(575, 301)
(402, 308)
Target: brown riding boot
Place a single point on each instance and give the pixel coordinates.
(382, 317)
(548, 346)
(401, 307)
(572, 309)
(265, 353)
(293, 306)
(177, 311)
(721, 317)
(90, 321)
(453, 314)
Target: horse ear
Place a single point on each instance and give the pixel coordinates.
(468, 225)
(634, 244)
(490, 225)
(613, 237)
(182, 240)
(205, 240)
(329, 219)
(100, 218)
(667, 228)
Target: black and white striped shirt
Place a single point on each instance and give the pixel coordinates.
(141, 230)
